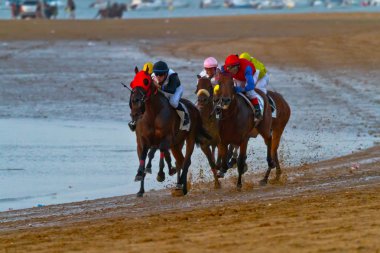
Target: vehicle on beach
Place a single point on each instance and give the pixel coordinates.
(157, 4)
(209, 4)
(34, 8)
(273, 4)
(145, 5)
(260, 4)
(28, 9)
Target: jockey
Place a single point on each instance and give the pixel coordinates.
(167, 80)
(263, 78)
(147, 66)
(210, 65)
(245, 77)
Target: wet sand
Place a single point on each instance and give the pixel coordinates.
(329, 206)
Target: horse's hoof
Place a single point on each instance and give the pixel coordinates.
(172, 171)
(139, 178)
(177, 193)
(148, 170)
(271, 164)
(140, 194)
(245, 168)
(220, 174)
(263, 182)
(238, 187)
(217, 185)
(161, 177)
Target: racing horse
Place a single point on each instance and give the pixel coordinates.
(237, 125)
(204, 92)
(158, 126)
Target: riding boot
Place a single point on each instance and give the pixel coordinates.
(132, 125)
(255, 103)
(182, 113)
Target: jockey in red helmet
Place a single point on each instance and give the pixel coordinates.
(245, 77)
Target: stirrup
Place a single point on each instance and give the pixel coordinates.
(257, 118)
(186, 119)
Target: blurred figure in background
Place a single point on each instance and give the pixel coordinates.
(15, 8)
(70, 8)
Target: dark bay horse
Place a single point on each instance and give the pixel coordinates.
(116, 10)
(236, 126)
(158, 126)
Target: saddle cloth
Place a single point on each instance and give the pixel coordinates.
(180, 113)
(261, 104)
(182, 117)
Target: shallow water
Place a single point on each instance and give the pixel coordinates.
(63, 122)
(54, 161)
(84, 12)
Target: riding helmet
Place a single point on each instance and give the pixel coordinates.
(160, 67)
(232, 60)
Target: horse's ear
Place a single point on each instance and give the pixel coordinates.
(199, 77)
(146, 82)
(136, 70)
(147, 70)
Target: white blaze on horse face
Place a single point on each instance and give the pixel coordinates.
(203, 91)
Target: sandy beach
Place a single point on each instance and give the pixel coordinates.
(325, 65)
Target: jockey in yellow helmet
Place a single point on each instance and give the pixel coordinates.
(263, 78)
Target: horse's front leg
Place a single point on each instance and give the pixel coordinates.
(270, 161)
(140, 176)
(168, 160)
(190, 143)
(148, 168)
(161, 173)
(241, 162)
(206, 150)
(222, 149)
(232, 156)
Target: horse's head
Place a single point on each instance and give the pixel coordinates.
(141, 91)
(204, 91)
(226, 91)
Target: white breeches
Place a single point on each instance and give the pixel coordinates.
(174, 98)
(263, 83)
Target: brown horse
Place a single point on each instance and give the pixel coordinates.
(236, 126)
(205, 105)
(158, 126)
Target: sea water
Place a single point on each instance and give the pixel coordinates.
(83, 11)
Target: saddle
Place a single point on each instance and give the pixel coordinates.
(261, 103)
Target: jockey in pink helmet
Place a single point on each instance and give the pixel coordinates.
(210, 66)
